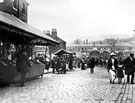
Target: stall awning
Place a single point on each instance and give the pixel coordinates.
(12, 22)
(62, 51)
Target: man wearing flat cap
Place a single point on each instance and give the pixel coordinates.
(130, 68)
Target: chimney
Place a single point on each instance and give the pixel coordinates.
(48, 33)
(44, 32)
(54, 33)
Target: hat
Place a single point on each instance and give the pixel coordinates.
(131, 54)
(112, 53)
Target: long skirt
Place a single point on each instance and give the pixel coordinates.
(112, 76)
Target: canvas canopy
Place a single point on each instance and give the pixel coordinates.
(16, 26)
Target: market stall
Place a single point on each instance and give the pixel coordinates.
(62, 52)
(14, 36)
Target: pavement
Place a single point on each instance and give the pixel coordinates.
(78, 86)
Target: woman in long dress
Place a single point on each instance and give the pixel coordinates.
(112, 67)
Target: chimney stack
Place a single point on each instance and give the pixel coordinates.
(54, 33)
(48, 33)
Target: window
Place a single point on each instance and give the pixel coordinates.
(1, 1)
(15, 4)
(23, 8)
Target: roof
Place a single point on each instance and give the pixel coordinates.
(62, 51)
(100, 45)
(79, 45)
(12, 21)
(103, 45)
(58, 39)
(124, 44)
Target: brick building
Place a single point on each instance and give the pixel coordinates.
(16, 32)
(18, 8)
(62, 44)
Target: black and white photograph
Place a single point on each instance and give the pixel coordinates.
(67, 51)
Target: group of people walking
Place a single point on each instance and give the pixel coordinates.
(117, 68)
(62, 64)
(120, 68)
(59, 65)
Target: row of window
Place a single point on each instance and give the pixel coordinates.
(15, 5)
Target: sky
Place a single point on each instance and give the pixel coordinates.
(84, 19)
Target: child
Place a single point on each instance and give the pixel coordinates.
(120, 73)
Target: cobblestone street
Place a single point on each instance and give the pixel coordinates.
(74, 87)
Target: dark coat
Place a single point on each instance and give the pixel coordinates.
(58, 63)
(22, 63)
(63, 65)
(109, 66)
(129, 66)
(83, 64)
(53, 63)
(71, 63)
(120, 73)
(88, 63)
(92, 63)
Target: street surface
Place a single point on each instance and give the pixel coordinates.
(77, 86)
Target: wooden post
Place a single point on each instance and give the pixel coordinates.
(45, 52)
(0, 50)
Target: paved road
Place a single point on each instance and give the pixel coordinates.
(74, 87)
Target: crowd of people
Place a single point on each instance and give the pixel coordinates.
(59, 64)
(118, 68)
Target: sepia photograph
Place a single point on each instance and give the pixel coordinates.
(67, 51)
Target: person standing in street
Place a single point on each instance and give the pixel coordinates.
(71, 62)
(120, 73)
(112, 67)
(63, 65)
(54, 64)
(58, 64)
(130, 68)
(23, 65)
(83, 64)
(92, 64)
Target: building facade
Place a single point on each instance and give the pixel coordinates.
(48, 50)
(62, 44)
(119, 47)
(18, 8)
(13, 22)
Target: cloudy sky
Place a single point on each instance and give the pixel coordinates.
(92, 19)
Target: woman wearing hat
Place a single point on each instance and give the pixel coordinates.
(112, 67)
